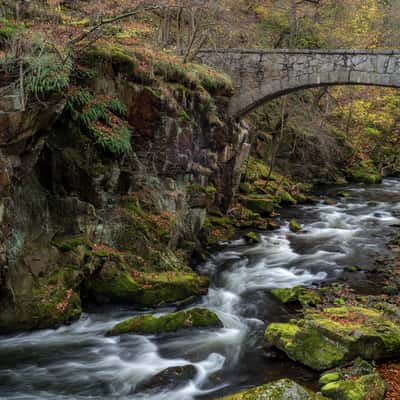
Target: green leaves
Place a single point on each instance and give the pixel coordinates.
(103, 118)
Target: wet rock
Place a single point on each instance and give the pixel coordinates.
(252, 237)
(294, 226)
(283, 389)
(334, 336)
(170, 378)
(297, 294)
(148, 324)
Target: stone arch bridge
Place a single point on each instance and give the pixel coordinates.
(262, 75)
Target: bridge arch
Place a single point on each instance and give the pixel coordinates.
(262, 75)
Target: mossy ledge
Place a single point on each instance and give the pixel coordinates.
(148, 324)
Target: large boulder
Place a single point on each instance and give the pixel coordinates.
(115, 284)
(334, 336)
(284, 389)
(148, 324)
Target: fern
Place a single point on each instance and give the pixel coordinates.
(102, 118)
(47, 74)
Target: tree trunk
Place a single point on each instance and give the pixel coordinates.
(293, 24)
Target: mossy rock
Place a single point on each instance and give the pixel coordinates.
(115, 284)
(294, 226)
(297, 294)
(284, 389)
(285, 199)
(364, 172)
(50, 303)
(329, 378)
(148, 324)
(259, 204)
(367, 387)
(334, 336)
(252, 237)
(170, 287)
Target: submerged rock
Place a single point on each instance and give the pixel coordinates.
(148, 324)
(284, 389)
(169, 378)
(334, 336)
(297, 294)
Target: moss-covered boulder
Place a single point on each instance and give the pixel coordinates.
(364, 172)
(260, 204)
(252, 237)
(334, 336)
(297, 294)
(117, 285)
(365, 387)
(148, 324)
(294, 226)
(284, 389)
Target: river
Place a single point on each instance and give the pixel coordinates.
(79, 362)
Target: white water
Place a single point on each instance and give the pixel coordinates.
(79, 362)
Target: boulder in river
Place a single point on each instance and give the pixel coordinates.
(284, 389)
(148, 324)
(333, 336)
(169, 378)
(115, 284)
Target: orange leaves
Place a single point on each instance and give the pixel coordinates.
(61, 307)
(391, 374)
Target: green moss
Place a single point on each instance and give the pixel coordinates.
(368, 387)
(113, 285)
(329, 378)
(364, 172)
(148, 324)
(72, 243)
(218, 228)
(331, 337)
(252, 237)
(51, 302)
(294, 226)
(306, 345)
(299, 294)
(116, 283)
(259, 204)
(285, 198)
(284, 389)
(164, 288)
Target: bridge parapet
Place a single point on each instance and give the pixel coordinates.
(262, 75)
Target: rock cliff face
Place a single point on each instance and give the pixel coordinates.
(80, 222)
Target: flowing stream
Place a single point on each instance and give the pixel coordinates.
(79, 362)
